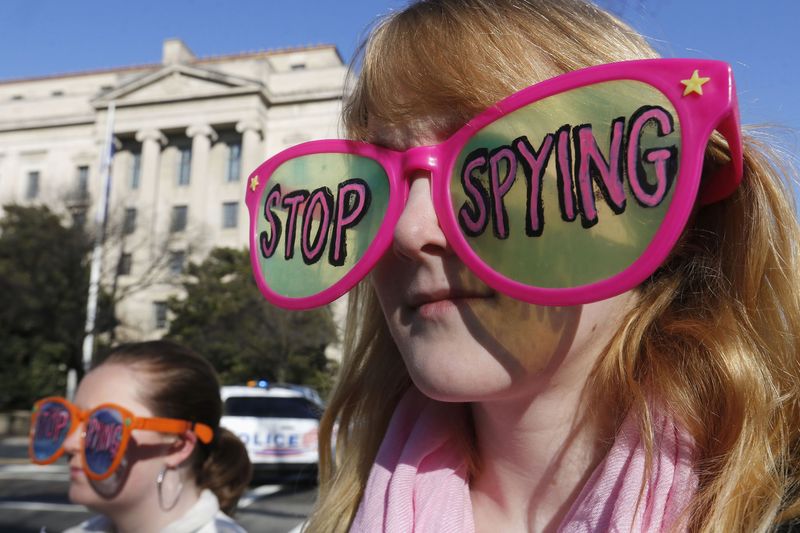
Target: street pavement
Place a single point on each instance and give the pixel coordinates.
(33, 498)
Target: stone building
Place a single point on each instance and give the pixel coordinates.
(186, 131)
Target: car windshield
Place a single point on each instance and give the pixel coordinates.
(271, 407)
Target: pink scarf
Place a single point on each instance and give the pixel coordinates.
(419, 480)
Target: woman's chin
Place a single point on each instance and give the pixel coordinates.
(80, 493)
(452, 388)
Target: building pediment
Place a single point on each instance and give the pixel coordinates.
(176, 82)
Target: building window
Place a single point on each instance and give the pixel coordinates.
(230, 211)
(234, 161)
(33, 185)
(184, 166)
(136, 169)
(129, 222)
(83, 180)
(57, 93)
(176, 261)
(179, 215)
(125, 264)
(160, 312)
(298, 66)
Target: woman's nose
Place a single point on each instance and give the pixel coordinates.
(72, 444)
(418, 233)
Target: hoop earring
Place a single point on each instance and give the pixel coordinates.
(160, 482)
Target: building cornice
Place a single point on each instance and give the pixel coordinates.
(50, 122)
(157, 66)
(103, 104)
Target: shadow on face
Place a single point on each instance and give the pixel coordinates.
(136, 452)
(522, 337)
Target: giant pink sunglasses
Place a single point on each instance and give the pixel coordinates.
(572, 190)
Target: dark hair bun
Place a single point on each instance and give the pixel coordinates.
(227, 470)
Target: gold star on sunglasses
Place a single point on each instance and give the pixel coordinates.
(254, 183)
(694, 84)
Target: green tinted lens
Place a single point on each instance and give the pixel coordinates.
(317, 216)
(571, 189)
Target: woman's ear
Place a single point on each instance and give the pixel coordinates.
(181, 449)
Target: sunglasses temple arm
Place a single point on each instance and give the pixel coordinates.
(203, 432)
(169, 425)
(726, 179)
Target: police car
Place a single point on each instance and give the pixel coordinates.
(278, 425)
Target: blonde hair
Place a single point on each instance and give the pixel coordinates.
(713, 337)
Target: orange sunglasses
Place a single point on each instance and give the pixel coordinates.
(106, 435)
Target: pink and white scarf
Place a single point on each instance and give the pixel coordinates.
(419, 479)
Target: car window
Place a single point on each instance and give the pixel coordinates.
(271, 407)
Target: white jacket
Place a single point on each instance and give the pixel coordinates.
(203, 517)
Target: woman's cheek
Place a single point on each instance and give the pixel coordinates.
(532, 335)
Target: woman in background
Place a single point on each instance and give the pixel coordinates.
(144, 443)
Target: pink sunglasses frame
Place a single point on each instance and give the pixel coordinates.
(698, 114)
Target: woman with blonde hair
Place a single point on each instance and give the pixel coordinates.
(582, 300)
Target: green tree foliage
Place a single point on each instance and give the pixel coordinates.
(225, 318)
(44, 278)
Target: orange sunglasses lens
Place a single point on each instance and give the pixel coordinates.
(51, 425)
(102, 444)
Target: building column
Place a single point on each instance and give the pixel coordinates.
(202, 192)
(251, 145)
(152, 140)
(202, 136)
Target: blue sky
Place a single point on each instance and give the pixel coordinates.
(53, 36)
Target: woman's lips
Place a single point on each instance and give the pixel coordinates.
(436, 308)
(435, 304)
(76, 472)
